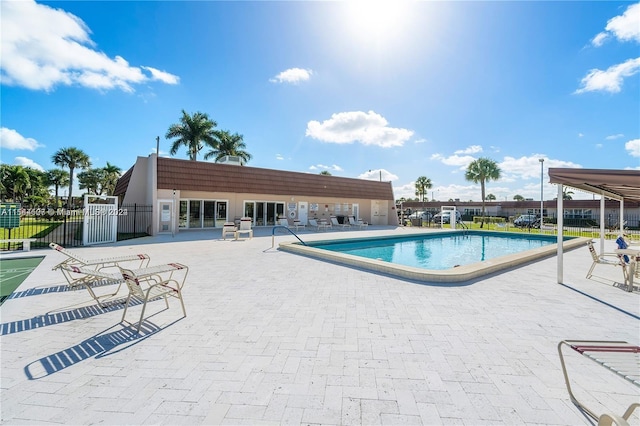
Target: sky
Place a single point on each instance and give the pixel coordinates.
(382, 90)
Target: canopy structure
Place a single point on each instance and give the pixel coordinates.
(613, 184)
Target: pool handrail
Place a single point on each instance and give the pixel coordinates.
(273, 233)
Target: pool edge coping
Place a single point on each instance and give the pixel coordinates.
(454, 275)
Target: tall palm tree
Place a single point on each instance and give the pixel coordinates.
(57, 178)
(193, 131)
(423, 184)
(111, 176)
(72, 158)
(228, 144)
(480, 171)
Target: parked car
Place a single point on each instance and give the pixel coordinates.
(420, 215)
(446, 217)
(527, 221)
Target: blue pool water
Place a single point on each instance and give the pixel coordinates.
(439, 251)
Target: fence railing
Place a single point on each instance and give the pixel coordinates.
(65, 227)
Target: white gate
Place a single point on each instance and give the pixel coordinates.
(100, 220)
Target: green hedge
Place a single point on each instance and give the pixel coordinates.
(489, 219)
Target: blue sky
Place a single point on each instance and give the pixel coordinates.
(373, 89)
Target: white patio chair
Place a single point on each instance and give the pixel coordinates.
(164, 289)
(612, 259)
(334, 222)
(359, 223)
(97, 264)
(228, 228)
(245, 227)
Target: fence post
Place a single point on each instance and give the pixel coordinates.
(64, 231)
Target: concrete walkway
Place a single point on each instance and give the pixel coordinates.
(275, 338)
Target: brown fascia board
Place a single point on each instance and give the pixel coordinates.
(212, 177)
(123, 182)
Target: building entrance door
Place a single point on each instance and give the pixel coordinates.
(303, 209)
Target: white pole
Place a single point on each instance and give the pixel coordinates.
(560, 252)
(541, 190)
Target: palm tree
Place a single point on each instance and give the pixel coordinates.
(111, 176)
(72, 158)
(325, 173)
(491, 197)
(57, 178)
(193, 131)
(480, 171)
(228, 144)
(15, 181)
(423, 184)
(567, 195)
(518, 197)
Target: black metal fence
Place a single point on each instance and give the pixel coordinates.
(134, 221)
(65, 227)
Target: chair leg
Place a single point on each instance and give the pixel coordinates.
(126, 305)
(591, 269)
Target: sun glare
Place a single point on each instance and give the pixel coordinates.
(379, 20)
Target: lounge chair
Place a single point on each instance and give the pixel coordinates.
(228, 228)
(168, 287)
(245, 228)
(97, 264)
(334, 222)
(612, 259)
(283, 222)
(359, 223)
(87, 277)
(318, 226)
(618, 357)
(298, 224)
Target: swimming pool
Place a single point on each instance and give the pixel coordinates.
(449, 256)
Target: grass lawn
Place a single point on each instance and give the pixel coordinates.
(13, 272)
(29, 228)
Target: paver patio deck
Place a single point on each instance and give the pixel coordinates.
(275, 338)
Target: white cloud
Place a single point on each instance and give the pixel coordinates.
(27, 162)
(473, 149)
(279, 157)
(333, 168)
(633, 147)
(42, 47)
(625, 27)
(292, 76)
(162, 76)
(613, 137)
(611, 79)
(460, 161)
(368, 128)
(10, 139)
(580, 135)
(379, 175)
(529, 167)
